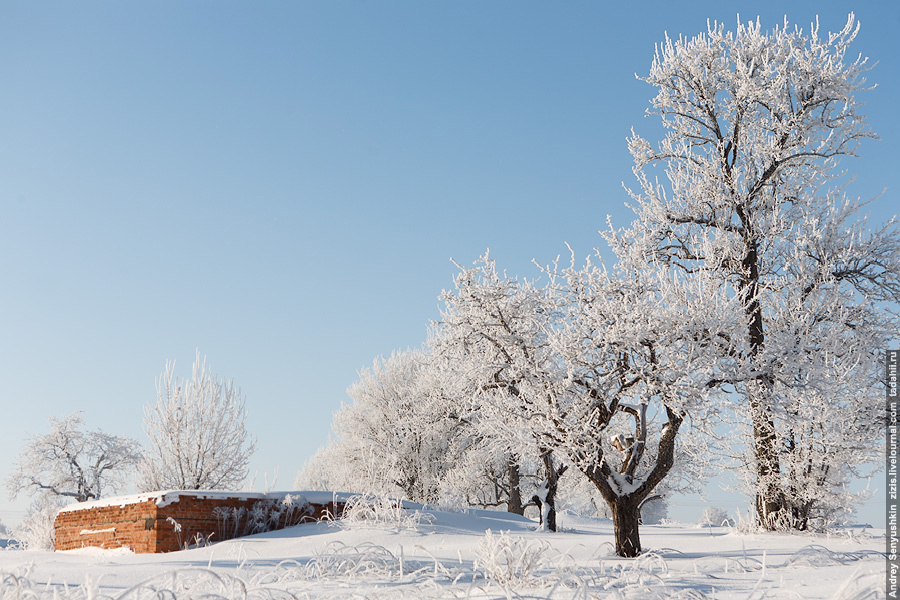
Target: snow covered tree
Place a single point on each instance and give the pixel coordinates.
(72, 463)
(492, 336)
(325, 471)
(486, 474)
(637, 350)
(744, 191)
(408, 432)
(586, 369)
(197, 431)
(395, 437)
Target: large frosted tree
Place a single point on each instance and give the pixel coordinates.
(594, 369)
(744, 190)
(638, 348)
(197, 431)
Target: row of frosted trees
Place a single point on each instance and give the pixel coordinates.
(744, 317)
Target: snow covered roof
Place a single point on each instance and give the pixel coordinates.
(166, 497)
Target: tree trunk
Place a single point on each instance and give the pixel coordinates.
(626, 518)
(771, 506)
(550, 506)
(553, 473)
(770, 500)
(514, 502)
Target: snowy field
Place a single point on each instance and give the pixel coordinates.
(471, 554)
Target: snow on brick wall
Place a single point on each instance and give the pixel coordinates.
(169, 521)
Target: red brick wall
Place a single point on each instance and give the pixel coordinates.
(145, 527)
(132, 525)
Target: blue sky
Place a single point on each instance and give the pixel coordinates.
(282, 184)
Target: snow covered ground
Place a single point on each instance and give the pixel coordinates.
(470, 554)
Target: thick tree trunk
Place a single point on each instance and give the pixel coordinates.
(626, 519)
(770, 500)
(514, 502)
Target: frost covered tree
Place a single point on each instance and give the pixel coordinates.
(743, 190)
(637, 352)
(593, 370)
(395, 436)
(407, 432)
(197, 431)
(72, 463)
(493, 338)
(333, 468)
(487, 474)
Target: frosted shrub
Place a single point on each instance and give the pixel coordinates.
(746, 522)
(36, 532)
(366, 511)
(509, 560)
(340, 560)
(713, 516)
(263, 516)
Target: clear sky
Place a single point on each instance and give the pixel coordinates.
(282, 184)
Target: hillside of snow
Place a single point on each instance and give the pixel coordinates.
(468, 554)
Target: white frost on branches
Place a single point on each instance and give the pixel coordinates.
(72, 463)
(744, 190)
(197, 431)
(394, 438)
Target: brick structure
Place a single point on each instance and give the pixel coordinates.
(174, 520)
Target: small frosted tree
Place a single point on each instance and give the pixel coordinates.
(73, 464)
(197, 431)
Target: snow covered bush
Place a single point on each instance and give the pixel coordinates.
(509, 560)
(381, 511)
(338, 560)
(264, 515)
(6, 536)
